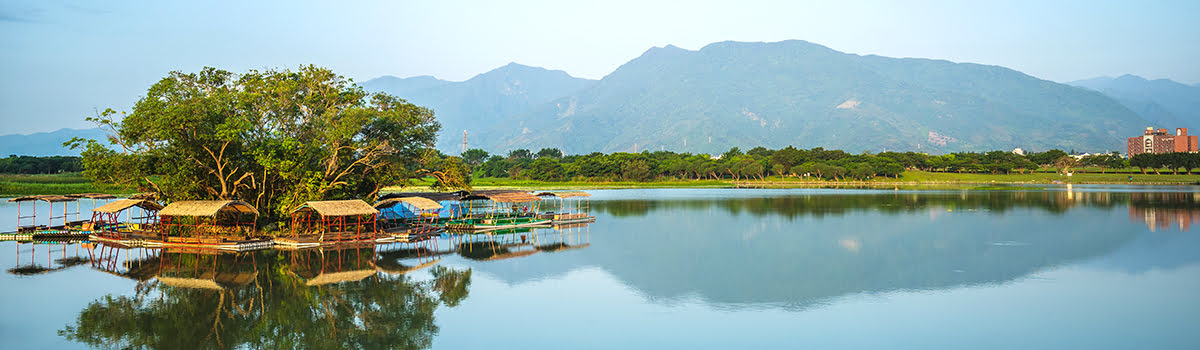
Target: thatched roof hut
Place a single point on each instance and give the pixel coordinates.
(207, 208)
(337, 208)
(92, 196)
(144, 195)
(119, 205)
(44, 198)
(420, 203)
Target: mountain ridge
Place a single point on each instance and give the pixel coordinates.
(808, 95)
(47, 143)
(486, 100)
(1161, 102)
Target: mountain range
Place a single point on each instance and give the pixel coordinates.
(742, 94)
(46, 143)
(1161, 102)
(484, 103)
(738, 94)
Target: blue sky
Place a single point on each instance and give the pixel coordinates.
(60, 60)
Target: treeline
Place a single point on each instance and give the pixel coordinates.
(549, 164)
(1173, 162)
(40, 165)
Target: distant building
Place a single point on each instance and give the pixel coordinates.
(1018, 151)
(1159, 141)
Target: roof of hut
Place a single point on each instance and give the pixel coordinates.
(206, 208)
(505, 196)
(218, 281)
(433, 196)
(123, 204)
(564, 194)
(338, 208)
(397, 268)
(421, 203)
(43, 197)
(92, 196)
(144, 195)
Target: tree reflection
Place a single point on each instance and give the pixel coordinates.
(271, 299)
(821, 204)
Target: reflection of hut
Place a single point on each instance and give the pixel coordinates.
(107, 258)
(414, 214)
(200, 219)
(218, 281)
(396, 268)
(206, 269)
(335, 220)
(31, 223)
(106, 218)
(560, 246)
(327, 266)
(490, 251)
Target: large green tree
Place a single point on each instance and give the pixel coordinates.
(274, 138)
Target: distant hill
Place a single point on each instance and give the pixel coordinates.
(484, 103)
(798, 93)
(45, 143)
(1162, 102)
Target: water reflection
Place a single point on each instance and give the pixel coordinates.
(736, 261)
(355, 295)
(799, 250)
(1165, 210)
(324, 298)
(822, 204)
(58, 256)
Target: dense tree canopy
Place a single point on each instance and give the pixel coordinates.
(39, 165)
(759, 162)
(274, 138)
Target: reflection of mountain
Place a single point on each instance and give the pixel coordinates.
(266, 299)
(802, 249)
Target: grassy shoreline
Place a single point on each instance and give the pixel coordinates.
(908, 180)
(20, 185)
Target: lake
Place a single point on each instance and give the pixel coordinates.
(1095, 267)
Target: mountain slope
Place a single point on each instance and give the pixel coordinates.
(485, 102)
(1161, 102)
(46, 143)
(807, 95)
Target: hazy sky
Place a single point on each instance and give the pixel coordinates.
(60, 60)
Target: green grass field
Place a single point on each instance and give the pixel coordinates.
(70, 183)
(20, 185)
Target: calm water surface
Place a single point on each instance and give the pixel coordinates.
(1085, 267)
